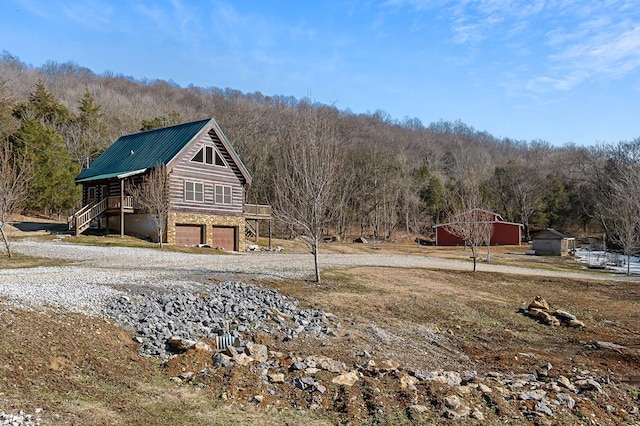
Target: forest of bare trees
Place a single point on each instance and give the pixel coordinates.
(390, 175)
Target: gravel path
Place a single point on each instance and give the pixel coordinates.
(103, 272)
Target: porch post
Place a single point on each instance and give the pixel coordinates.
(121, 208)
(257, 229)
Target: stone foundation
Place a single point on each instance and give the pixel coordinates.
(208, 221)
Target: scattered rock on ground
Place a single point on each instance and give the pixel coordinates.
(540, 310)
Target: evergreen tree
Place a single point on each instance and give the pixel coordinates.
(556, 202)
(173, 118)
(52, 189)
(430, 191)
(85, 135)
(43, 106)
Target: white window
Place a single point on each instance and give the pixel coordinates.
(223, 194)
(91, 192)
(208, 155)
(193, 191)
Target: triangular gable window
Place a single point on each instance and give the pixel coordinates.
(199, 157)
(219, 160)
(208, 155)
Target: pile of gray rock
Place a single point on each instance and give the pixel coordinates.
(466, 395)
(19, 419)
(226, 309)
(540, 310)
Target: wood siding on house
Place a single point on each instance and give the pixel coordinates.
(225, 154)
(210, 175)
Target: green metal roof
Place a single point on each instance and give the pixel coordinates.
(142, 150)
(110, 175)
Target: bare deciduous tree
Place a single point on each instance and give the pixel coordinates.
(471, 223)
(623, 214)
(520, 192)
(310, 163)
(152, 197)
(14, 179)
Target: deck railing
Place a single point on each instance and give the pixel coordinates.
(114, 202)
(83, 217)
(257, 211)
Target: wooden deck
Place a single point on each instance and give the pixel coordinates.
(113, 204)
(257, 211)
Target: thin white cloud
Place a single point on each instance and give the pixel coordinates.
(176, 20)
(416, 4)
(92, 14)
(36, 8)
(602, 50)
(565, 43)
(483, 19)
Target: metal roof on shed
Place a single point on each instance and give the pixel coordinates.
(549, 234)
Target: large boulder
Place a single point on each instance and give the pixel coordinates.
(539, 303)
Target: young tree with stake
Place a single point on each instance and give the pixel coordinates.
(471, 223)
(307, 177)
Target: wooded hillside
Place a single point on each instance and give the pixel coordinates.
(394, 175)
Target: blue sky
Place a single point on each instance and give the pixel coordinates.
(560, 71)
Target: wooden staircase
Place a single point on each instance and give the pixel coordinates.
(81, 220)
(249, 229)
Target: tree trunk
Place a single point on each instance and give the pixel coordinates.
(473, 254)
(629, 264)
(527, 237)
(315, 260)
(6, 241)
(406, 221)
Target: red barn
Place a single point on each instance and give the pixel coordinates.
(504, 233)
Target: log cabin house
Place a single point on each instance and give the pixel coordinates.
(207, 185)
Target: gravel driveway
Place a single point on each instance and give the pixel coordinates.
(102, 272)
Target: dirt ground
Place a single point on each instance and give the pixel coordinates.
(83, 370)
(437, 320)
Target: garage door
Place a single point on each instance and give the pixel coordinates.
(188, 235)
(225, 237)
